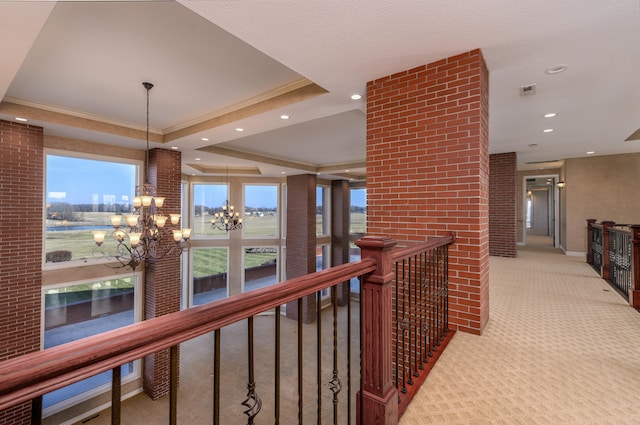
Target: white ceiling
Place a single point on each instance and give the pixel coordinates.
(89, 59)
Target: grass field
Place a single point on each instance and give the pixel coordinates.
(81, 244)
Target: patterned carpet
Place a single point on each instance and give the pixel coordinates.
(561, 347)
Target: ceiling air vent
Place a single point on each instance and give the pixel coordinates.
(528, 90)
(634, 136)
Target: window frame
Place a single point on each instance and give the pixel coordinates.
(46, 266)
(136, 374)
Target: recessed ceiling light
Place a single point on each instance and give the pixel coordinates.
(197, 159)
(548, 130)
(550, 115)
(356, 96)
(284, 117)
(591, 152)
(239, 129)
(21, 119)
(283, 172)
(204, 139)
(175, 148)
(346, 171)
(556, 69)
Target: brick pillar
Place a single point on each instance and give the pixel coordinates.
(301, 238)
(21, 194)
(503, 171)
(162, 277)
(428, 170)
(340, 205)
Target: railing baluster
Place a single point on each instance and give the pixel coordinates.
(411, 323)
(216, 377)
(349, 392)
(403, 324)
(277, 369)
(319, 357)
(36, 411)
(300, 392)
(173, 385)
(252, 402)
(116, 395)
(335, 384)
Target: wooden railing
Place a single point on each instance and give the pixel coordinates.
(613, 250)
(28, 377)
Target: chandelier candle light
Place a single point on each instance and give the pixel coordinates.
(146, 224)
(226, 219)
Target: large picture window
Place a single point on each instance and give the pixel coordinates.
(81, 194)
(358, 211)
(260, 267)
(207, 200)
(261, 211)
(77, 310)
(323, 203)
(210, 267)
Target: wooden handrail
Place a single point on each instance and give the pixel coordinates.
(32, 375)
(409, 249)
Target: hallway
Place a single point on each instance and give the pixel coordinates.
(561, 347)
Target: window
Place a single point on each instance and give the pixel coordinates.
(207, 200)
(323, 194)
(323, 262)
(260, 267)
(358, 211)
(81, 195)
(210, 268)
(82, 309)
(260, 211)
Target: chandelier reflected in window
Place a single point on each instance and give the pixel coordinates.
(141, 238)
(227, 218)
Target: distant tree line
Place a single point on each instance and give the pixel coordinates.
(200, 210)
(66, 211)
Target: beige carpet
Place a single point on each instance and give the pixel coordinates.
(561, 347)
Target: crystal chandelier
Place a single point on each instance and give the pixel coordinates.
(145, 226)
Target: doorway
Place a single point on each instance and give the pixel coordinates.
(541, 211)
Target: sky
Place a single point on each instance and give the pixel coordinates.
(82, 181)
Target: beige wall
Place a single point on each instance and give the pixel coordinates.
(602, 187)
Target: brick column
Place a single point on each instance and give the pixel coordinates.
(21, 209)
(340, 205)
(301, 238)
(503, 171)
(162, 277)
(428, 170)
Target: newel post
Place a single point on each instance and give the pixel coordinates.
(606, 266)
(590, 223)
(634, 295)
(379, 397)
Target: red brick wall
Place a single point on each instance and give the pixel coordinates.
(503, 173)
(301, 238)
(428, 170)
(21, 209)
(162, 277)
